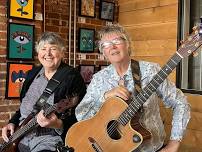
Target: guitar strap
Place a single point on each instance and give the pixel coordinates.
(52, 85)
(136, 75)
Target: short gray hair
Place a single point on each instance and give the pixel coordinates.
(50, 38)
(110, 29)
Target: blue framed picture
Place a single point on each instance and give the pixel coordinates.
(107, 10)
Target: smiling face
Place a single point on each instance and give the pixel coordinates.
(50, 56)
(115, 48)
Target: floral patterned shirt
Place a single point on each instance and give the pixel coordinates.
(172, 97)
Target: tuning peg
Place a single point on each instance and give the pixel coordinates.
(195, 54)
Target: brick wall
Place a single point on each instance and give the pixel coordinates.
(56, 20)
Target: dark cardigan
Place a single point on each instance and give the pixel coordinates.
(73, 84)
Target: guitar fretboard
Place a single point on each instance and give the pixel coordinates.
(150, 88)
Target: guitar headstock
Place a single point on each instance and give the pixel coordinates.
(192, 43)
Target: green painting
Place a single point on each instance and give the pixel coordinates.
(20, 41)
(86, 40)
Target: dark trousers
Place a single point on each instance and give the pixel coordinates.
(23, 148)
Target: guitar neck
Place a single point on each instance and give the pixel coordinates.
(20, 132)
(150, 88)
(26, 128)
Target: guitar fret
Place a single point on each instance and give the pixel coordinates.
(147, 89)
(169, 67)
(155, 83)
(131, 112)
(135, 101)
(172, 65)
(165, 74)
(124, 118)
(167, 70)
(158, 80)
(145, 92)
(132, 107)
(139, 97)
(154, 88)
(150, 88)
(129, 116)
(136, 106)
(173, 61)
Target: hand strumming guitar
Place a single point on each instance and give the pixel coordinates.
(119, 91)
(7, 130)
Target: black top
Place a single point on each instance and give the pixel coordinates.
(73, 84)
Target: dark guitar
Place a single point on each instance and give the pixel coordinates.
(30, 123)
(109, 130)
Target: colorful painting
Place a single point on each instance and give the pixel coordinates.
(107, 10)
(20, 41)
(86, 40)
(87, 8)
(21, 9)
(87, 72)
(16, 75)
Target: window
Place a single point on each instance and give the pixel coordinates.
(189, 72)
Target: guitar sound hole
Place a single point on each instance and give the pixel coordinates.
(113, 130)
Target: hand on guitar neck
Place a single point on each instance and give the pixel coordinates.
(50, 121)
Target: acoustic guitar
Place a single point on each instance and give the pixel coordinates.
(30, 123)
(109, 130)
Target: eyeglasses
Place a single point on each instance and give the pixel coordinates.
(108, 44)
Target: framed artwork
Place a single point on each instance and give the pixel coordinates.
(21, 9)
(86, 40)
(102, 67)
(87, 72)
(87, 8)
(20, 44)
(107, 10)
(16, 75)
